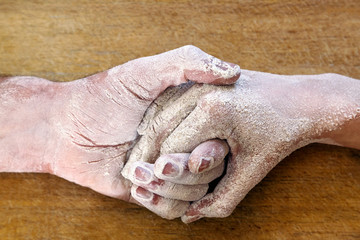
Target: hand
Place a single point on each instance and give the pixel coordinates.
(96, 117)
(263, 118)
(167, 187)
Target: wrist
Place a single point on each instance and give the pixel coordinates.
(325, 102)
(27, 136)
(337, 118)
(346, 135)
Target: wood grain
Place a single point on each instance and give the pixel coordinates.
(313, 194)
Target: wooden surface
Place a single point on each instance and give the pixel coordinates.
(313, 194)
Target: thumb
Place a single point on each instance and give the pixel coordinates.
(232, 188)
(149, 76)
(244, 172)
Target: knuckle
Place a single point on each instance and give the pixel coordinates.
(213, 105)
(191, 52)
(189, 48)
(223, 212)
(207, 102)
(217, 208)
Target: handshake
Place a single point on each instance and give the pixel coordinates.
(126, 134)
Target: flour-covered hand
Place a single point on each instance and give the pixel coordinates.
(263, 118)
(82, 130)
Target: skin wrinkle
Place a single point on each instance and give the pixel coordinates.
(92, 119)
(76, 121)
(119, 102)
(142, 98)
(110, 126)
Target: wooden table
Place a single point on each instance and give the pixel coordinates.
(313, 194)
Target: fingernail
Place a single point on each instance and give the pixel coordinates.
(193, 219)
(143, 193)
(233, 65)
(170, 170)
(235, 69)
(223, 69)
(205, 163)
(142, 174)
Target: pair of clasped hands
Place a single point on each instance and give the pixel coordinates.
(168, 183)
(254, 118)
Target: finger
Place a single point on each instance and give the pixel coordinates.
(195, 129)
(164, 207)
(142, 175)
(155, 73)
(208, 155)
(244, 171)
(242, 175)
(201, 67)
(174, 168)
(166, 100)
(155, 131)
(191, 132)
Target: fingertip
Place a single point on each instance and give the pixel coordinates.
(141, 194)
(227, 81)
(146, 198)
(171, 166)
(227, 73)
(191, 215)
(207, 155)
(164, 207)
(187, 219)
(199, 209)
(214, 71)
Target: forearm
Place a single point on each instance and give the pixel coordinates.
(26, 135)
